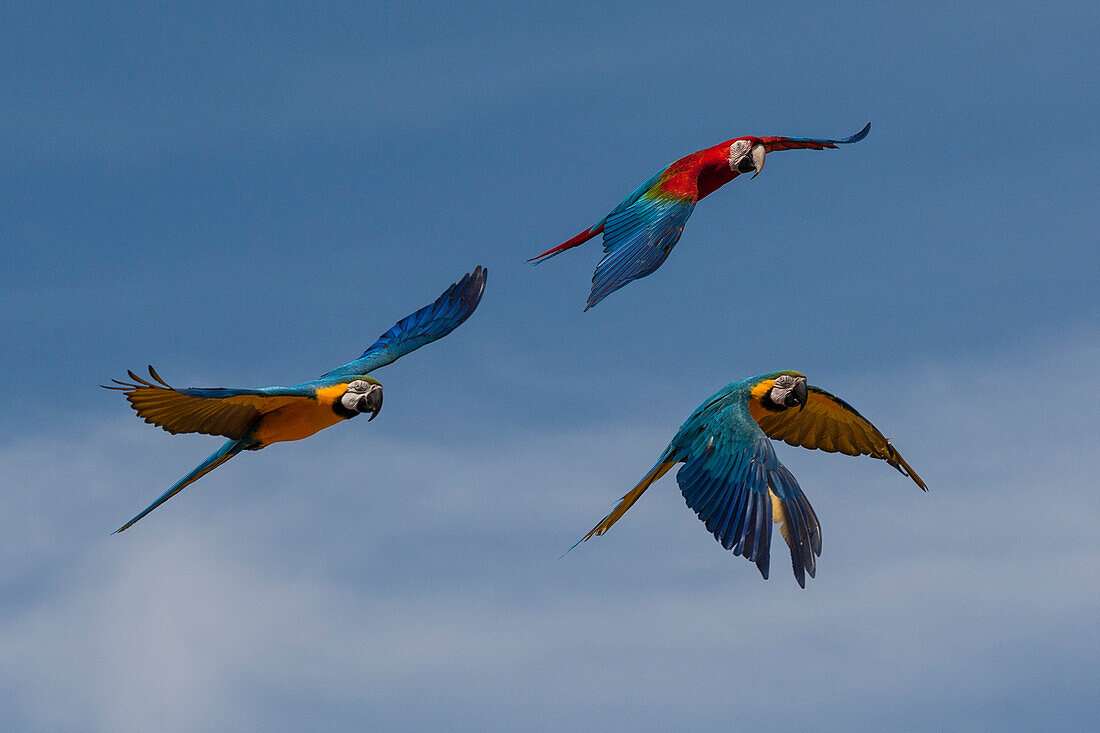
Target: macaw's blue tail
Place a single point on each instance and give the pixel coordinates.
(220, 456)
(627, 501)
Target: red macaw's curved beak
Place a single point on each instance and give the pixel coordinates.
(757, 160)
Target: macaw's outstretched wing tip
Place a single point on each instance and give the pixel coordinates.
(772, 144)
(430, 323)
(826, 422)
(858, 136)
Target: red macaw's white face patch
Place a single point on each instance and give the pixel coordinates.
(745, 158)
(739, 152)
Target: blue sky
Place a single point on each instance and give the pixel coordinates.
(250, 196)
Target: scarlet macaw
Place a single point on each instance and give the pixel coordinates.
(255, 418)
(732, 479)
(640, 232)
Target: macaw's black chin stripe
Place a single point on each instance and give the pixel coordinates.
(339, 409)
(769, 404)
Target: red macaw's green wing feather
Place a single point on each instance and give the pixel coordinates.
(637, 239)
(830, 424)
(771, 144)
(215, 411)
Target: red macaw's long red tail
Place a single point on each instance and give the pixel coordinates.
(574, 242)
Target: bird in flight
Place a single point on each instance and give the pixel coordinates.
(255, 418)
(641, 231)
(732, 479)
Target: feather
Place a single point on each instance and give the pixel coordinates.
(430, 323)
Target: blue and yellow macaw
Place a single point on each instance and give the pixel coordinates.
(732, 479)
(255, 418)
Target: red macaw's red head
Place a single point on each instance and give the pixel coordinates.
(747, 154)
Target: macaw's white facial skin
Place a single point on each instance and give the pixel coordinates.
(745, 157)
(363, 396)
(788, 391)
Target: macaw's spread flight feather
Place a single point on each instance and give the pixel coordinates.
(430, 323)
(254, 418)
(641, 231)
(732, 479)
(830, 424)
(636, 242)
(809, 143)
(219, 411)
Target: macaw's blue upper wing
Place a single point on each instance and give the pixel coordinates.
(738, 489)
(733, 481)
(636, 240)
(426, 325)
(212, 411)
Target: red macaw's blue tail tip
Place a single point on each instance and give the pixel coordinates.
(574, 242)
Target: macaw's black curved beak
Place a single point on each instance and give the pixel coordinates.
(372, 403)
(798, 395)
(745, 165)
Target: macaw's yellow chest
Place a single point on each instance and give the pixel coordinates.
(300, 419)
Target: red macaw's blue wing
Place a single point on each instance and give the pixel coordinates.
(772, 144)
(428, 324)
(636, 240)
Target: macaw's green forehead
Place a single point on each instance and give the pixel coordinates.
(760, 385)
(341, 382)
(788, 372)
(359, 378)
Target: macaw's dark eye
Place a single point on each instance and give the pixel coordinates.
(745, 165)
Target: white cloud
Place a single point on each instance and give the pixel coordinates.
(350, 578)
